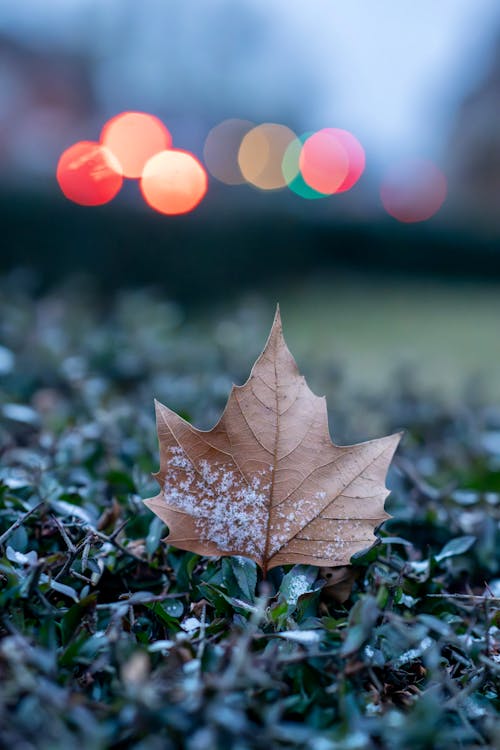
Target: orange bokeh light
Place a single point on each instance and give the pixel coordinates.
(324, 162)
(173, 182)
(89, 174)
(413, 191)
(261, 155)
(134, 137)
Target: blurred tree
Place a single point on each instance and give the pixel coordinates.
(205, 62)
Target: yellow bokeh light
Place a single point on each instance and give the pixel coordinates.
(261, 155)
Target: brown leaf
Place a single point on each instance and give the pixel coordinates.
(110, 516)
(267, 482)
(339, 583)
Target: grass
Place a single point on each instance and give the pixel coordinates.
(445, 334)
(110, 638)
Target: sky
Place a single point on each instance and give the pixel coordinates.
(404, 66)
(392, 71)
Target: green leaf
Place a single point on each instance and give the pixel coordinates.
(455, 547)
(183, 565)
(299, 580)
(356, 636)
(216, 597)
(173, 607)
(72, 620)
(121, 482)
(278, 612)
(240, 577)
(433, 623)
(62, 588)
(157, 529)
(18, 540)
(362, 618)
(396, 540)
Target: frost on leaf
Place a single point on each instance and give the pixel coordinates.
(267, 482)
(226, 509)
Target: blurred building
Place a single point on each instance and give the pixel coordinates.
(46, 102)
(474, 151)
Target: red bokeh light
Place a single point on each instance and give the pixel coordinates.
(89, 174)
(173, 182)
(134, 137)
(324, 162)
(355, 154)
(413, 191)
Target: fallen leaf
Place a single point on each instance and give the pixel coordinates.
(109, 516)
(339, 583)
(267, 482)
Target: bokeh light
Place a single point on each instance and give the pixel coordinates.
(413, 191)
(173, 182)
(221, 150)
(89, 174)
(324, 162)
(355, 154)
(261, 155)
(134, 137)
(291, 171)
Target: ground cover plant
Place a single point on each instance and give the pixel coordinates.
(112, 639)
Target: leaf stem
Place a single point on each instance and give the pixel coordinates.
(19, 522)
(275, 463)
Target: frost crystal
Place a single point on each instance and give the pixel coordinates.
(301, 636)
(341, 538)
(287, 521)
(227, 510)
(300, 585)
(190, 624)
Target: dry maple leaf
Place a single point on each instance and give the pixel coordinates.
(267, 482)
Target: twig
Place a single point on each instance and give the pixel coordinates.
(473, 597)
(70, 560)
(19, 522)
(487, 626)
(64, 534)
(148, 600)
(119, 528)
(426, 489)
(75, 574)
(117, 545)
(203, 623)
(378, 685)
(459, 697)
(85, 555)
(489, 663)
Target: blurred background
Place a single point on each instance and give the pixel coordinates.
(342, 158)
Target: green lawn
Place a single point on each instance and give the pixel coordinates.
(446, 334)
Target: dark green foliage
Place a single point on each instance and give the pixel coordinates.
(193, 257)
(111, 639)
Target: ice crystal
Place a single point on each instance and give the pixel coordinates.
(227, 509)
(300, 585)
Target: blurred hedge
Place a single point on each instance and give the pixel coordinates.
(220, 247)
